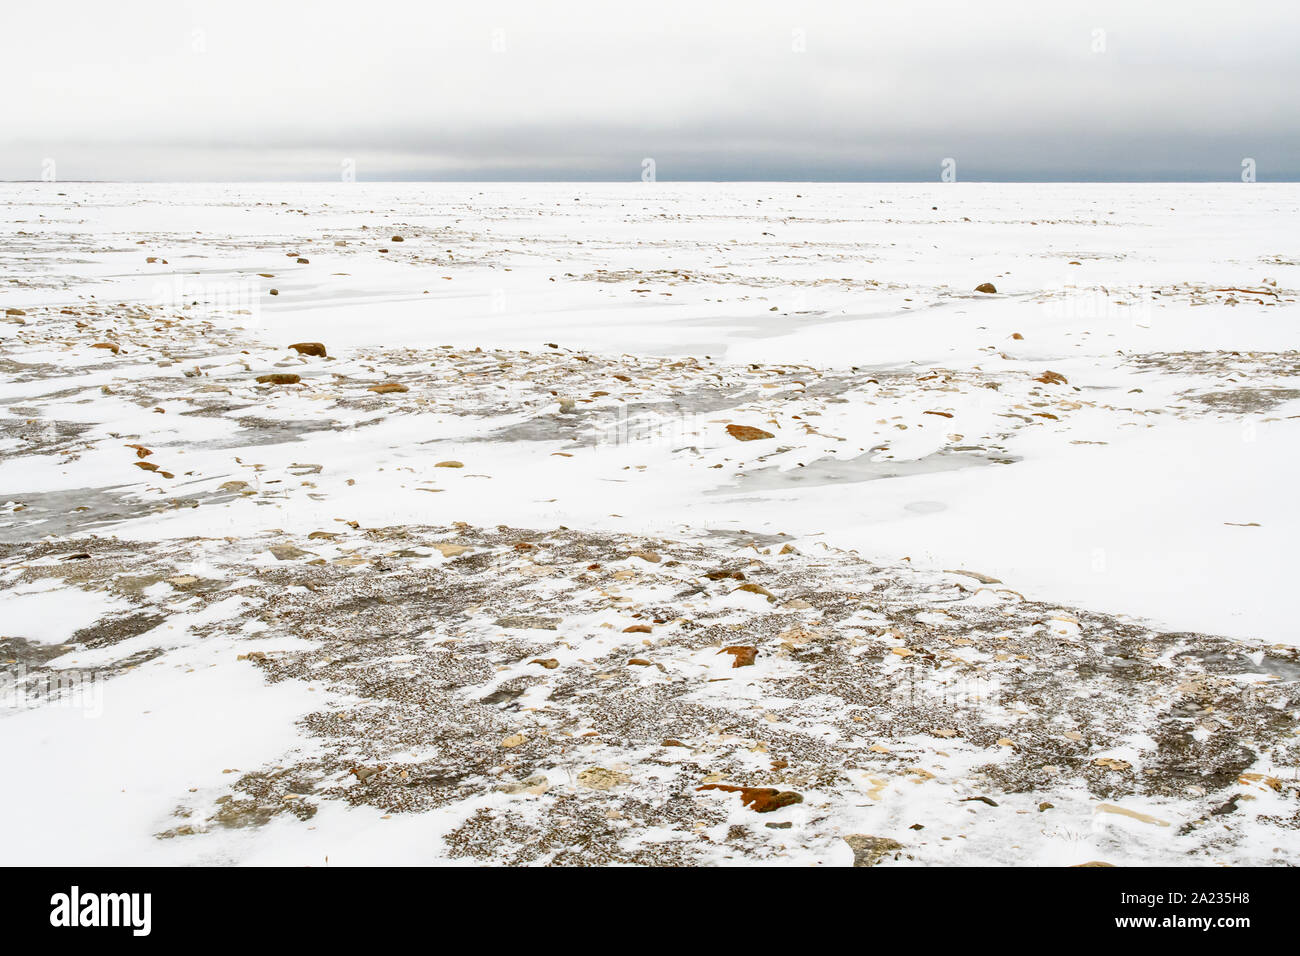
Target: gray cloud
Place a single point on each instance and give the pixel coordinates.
(585, 90)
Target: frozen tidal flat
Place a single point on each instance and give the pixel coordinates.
(999, 550)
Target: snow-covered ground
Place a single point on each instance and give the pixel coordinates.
(1012, 548)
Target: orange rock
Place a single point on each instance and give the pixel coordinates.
(747, 433)
(744, 655)
(759, 799)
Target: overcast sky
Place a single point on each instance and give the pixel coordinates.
(710, 89)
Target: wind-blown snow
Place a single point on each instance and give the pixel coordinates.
(1114, 431)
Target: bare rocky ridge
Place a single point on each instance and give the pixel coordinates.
(569, 698)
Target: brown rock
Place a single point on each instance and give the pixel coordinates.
(753, 588)
(869, 850)
(747, 433)
(759, 799)
(986, 287)
(721, 575)
(744, 655)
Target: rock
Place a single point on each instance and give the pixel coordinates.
(309, 348)
(529, 622)
(537, 784)
(598, 778)
(386, 387)
(869, 850)
(986, 287)
(397, 239)
(275, 292)
(753, 588)
(450, 464)
(981, 578)
(747, 433)
(287, 552)
(279, 378)
(1112, 763)
(744, 655)
(723, 575)
(1133, 814)
(798, 635)
(759, 799)
(450, 550)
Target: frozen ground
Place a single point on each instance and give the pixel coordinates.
(1004, 577)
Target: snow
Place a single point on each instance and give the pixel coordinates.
(1153, 481)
